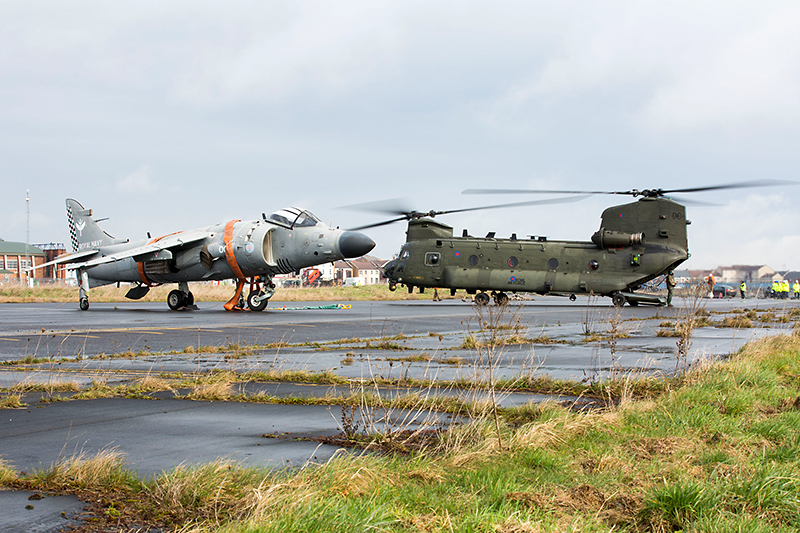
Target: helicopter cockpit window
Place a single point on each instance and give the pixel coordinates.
(405, 254)
(292, 217)
(432, 258)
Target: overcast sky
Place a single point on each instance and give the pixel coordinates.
(175, 115)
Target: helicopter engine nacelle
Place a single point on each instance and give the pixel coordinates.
(616, 239)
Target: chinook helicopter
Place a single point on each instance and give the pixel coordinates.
(636, 243)
(250, 252)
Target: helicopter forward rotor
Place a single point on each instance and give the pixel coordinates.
(394, 207)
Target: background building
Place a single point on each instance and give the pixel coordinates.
(16, 257)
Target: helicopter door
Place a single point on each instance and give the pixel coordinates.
(550, 277)
(433, 260)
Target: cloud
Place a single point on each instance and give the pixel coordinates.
(746, 82)
(755, 229)
(138, 181)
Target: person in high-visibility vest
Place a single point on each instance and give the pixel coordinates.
(796, 289)
(786, 289)
(742, 289)
(776, 289)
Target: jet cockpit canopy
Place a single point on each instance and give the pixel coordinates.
(293, 217)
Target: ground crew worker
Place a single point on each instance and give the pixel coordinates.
(796, 289)
(785, 288)
(670, 288)
(775, 289)
(742, 289)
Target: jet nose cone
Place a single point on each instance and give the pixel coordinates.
(355, 244)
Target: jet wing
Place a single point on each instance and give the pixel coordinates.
(176, 240)
(67, 258)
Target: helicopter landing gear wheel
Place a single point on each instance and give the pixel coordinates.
(84, 304)
(176, 299)
(501, 298)
(572, 297)
(618, 300)
(257, 301)
(481, 299)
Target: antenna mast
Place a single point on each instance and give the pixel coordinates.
(28, 235)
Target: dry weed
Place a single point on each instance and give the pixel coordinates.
(83, 471)
(216, 391)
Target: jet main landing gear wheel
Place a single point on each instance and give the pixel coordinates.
(176, 299)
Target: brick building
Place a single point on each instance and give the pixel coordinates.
(16, 257)
(51, 251)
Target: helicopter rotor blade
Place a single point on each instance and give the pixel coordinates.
(378, 224)
(691, 201)
(517, 204)
(410, 215)
(736, 185)
(391, 206)
(531, 191)
(652, 193)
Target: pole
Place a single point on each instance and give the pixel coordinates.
(28, 235)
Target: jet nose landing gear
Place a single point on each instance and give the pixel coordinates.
(261, 290)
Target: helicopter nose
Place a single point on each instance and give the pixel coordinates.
(355, 244)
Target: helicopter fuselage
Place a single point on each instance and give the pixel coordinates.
(636, 243)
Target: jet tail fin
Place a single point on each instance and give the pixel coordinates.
(84, 232)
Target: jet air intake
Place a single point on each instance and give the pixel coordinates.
(616, 239)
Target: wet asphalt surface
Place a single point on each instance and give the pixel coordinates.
(161, 433)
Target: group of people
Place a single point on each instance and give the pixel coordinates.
(782, 290)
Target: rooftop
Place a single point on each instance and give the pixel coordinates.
(18, 248)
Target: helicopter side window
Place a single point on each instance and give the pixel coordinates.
(432, 258)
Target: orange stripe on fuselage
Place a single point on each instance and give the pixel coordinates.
(229, 256)
(142, 276)
(140, 264)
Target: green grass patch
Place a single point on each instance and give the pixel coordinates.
(11, 401)
(716, 449)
